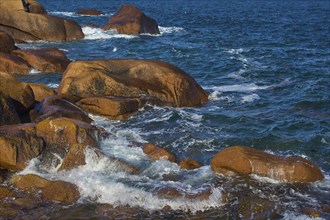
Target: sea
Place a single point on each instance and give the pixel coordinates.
(266, 67)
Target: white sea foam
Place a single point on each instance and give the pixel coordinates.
(295, 216)
(34, 71)
(53, 85)
(250, 98)
(64, 13)
(98, 33)
(169, 30)
(248, 87)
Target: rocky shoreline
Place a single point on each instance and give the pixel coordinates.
(54, 125)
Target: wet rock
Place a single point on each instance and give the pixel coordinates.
(61, 191)
(46, 60)
(5, 192)
(131, 20)
(8, 114)
(56, 106)
(131, 78)
(27, 203)
(7, 211)
(36, 7)
(326, 208)
(256, 208)
(311, 212)
(175, 193)
(156, 153)
(28, 182)
(21, 94)
(117, 108)
(13, 64)
(40, 91)
(93, 12)
(7, 43)
(245, 160)
(18, 145)
(61, 134)
(24, 26)
(189, 164)
(74, 158)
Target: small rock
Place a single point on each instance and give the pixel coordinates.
(326, 208)
(130, 20)
(40, 91)
(311, 212)
(5, 192)
(61, 191)
(27, 203)
(189, 164)
(156, 153)
(28, 182)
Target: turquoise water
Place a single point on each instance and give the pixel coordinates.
(266, 65)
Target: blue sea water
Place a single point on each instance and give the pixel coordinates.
(266, 65)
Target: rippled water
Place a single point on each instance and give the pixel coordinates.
(266, 65)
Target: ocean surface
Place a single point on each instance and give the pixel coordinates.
(266, 66)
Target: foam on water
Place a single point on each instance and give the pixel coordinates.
(98, 33)
(250, 98)
(74, 14)
(247, 87)
(34, 71)
(169, 30)
(53, 85)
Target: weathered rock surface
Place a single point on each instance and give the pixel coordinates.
(118, 108)
(156, 153)
(131, 20)
(5, 192)
(8, 114)
(28, 182)
(21, 94)
(18, 145)
(131, 78)
(245, 160)
(13, 64)
(74, 158)
(23, 26)
(56, 106)
(47, 60)
(61, 191)
(40, 91)
(7, 43)
(36, 7)
(93, 12)
(189, 164)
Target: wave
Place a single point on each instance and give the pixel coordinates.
(74, 14)
(248, 87)
(169, 30)
(98, 33)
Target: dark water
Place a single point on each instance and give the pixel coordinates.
(266, 65)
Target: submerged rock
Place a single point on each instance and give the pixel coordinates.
(93, 12)
(18, 145)
(131, 20)
(131, 78)
(46, 60)
(156, 153)
(189, 164)
(24, 26)
(245, 160)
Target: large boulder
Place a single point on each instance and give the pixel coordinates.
(61, 191)
(117, 108)
(245, 160)
(47, 60)
(23, 26)
(7, 43)
(28, 182)
(13, 64)
(8, 114)
(56, 106)
(40, 91)
(18, 145)
(131, 20)
(21, 94)
(131, 78)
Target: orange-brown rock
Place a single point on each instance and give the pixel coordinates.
(29, 182)
(74, 158)
(131, 20)
(60, 134)
(7, 43)
(40, 91)
(5, 192)
(245, 160)
(18, 145)
(93, 12)
(156, 153)
(8, 114)
(21, 94)
(23, 26)
(189, 164)
(13, 64)
(175, 193)
(35, 7)
(56, 106)
(61, 191)
(131, 78)
(118, 108)
(47, 60)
